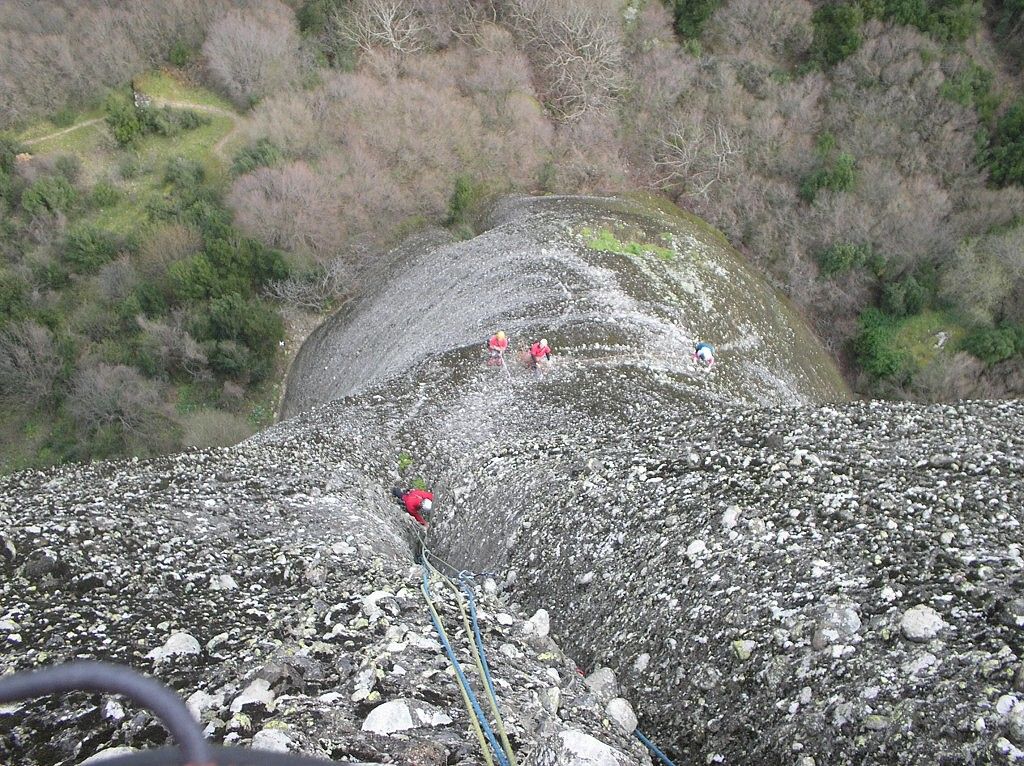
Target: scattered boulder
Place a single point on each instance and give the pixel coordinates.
(178, 645)
(403, 714)
(621, 712)
(256, 697)
(921, 623)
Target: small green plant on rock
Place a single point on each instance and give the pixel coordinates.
(404, 461)
(606, 242)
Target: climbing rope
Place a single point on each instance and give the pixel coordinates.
(485, 670)
(653, 748)
(480, 658)
(454, 569)
(477, 717)
(506, 755)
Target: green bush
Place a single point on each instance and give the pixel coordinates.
(10, 148)
(88, 247)
(836, 33)
(103, 195)
(64, 118)
(247, 321)
(151, 299)
(240, 336)
(69, 166)
(1005, 155)
(123, 119)
(234, 360)
(52, 274)
(691, 16)
(184, 174)
(837, 172)
(843, 257)
(994, 344)
(1010, 12)
(468, 197)
(14, 293)
(904, 297)
(262, 154)
(193, 279)
(169, 122)
(48, 195)
(128, 123)
(875, 346)
(314, 14)
(180, 54)
(943, 19)
(972, 86)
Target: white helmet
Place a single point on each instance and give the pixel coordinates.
(427, 505)
(543, 341)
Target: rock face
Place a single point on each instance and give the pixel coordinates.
(756, 569)
(326, 627)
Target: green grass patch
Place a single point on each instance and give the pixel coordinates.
(79, 140)
(918, 336)
(605, 241)
(46, 127)
(194, 144)
(166, 85)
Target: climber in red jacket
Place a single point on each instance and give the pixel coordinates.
(540, 350)
(496, 346)
(416, 501)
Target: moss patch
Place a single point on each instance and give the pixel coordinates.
(605, 241)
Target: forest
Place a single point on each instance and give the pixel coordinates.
(182, 182)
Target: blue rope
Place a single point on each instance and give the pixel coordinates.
(462, 676)
(476, 635)
(653, 748)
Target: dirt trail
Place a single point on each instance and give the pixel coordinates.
(218, 148)
(76, 126)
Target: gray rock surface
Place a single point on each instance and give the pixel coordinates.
(778, 640)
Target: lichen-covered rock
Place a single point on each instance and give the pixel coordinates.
(921, 623)
(575, 748)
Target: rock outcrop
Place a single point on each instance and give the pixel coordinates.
(757, 570)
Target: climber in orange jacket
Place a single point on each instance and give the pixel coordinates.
(416, 501)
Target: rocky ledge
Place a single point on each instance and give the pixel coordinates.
(274, 587)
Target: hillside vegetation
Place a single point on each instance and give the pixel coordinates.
(131, 308)
(867, 155)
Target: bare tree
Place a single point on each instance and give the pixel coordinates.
(369, 24)
(116, 280)
(115, 395)
(290, 207)
(694, 155)
(251, 54)
(172, 345)
(29, 364)
(314, 291)
(166, 244)
(576, 50)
